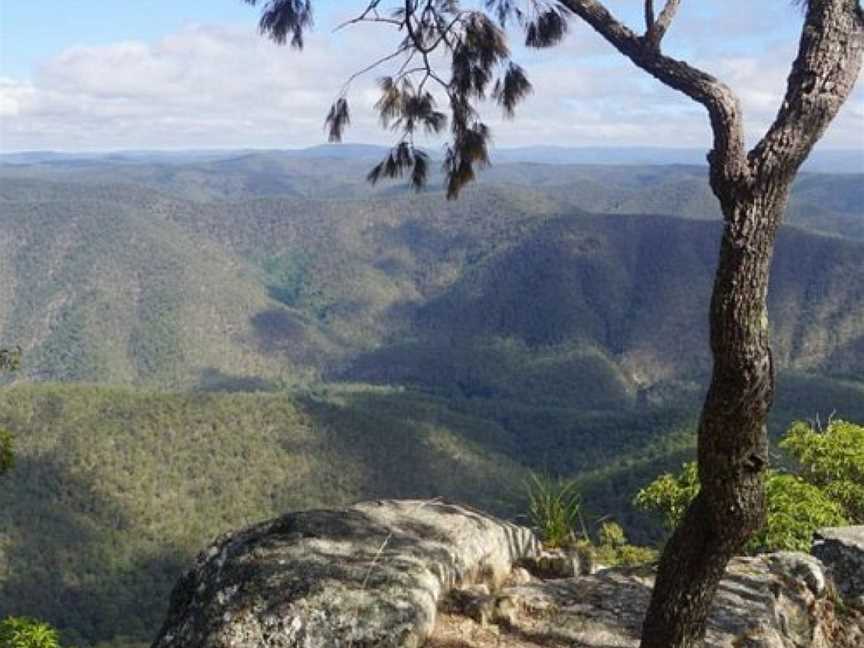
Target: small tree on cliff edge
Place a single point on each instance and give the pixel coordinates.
(752, 187)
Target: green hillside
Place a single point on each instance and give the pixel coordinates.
(97, 290)
(114, 490)
(133, 286)
(208, 342)
(592, 308)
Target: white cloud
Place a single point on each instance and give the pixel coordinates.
(224, 87)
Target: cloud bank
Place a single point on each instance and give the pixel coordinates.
(226, 87)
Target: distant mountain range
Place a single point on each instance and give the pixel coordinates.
(821, 161)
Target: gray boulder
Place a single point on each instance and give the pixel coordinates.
(841, 550)
(369, 575)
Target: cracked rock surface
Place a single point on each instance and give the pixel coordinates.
(405, 574)
(369, 575)
(772, 601)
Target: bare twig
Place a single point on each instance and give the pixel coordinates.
(649, 16)
(657, 28)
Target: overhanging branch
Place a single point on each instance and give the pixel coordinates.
(728, 160)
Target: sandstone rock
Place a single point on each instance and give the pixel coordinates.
(520, 576)
(375, 575)
(555, 563)
(841, 550)
(475, 602)
(369, 575)
(799, 566)
(757, 606)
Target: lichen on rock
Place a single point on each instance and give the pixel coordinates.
(369, 575)
(405, 574)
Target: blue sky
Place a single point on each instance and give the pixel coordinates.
(32, 32)
(114, 74)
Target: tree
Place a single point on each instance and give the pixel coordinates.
(751, 186)
(9, 361)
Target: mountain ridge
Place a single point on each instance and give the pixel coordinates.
(837, 160)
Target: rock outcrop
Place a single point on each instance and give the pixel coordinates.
(369, 575)
(396, 574)
(841, 550)
(772, 601)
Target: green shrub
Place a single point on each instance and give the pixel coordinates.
(555, 508)
(613, 548)
(632, 555)
(21, 632)
(833, 460)
(795, 510)
(612, 535)
(828, 492)
(670, 495)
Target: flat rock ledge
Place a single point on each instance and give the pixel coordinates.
(773, 601)
(369, 575)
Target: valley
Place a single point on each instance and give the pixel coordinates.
(210, 340)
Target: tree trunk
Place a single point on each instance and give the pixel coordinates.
(733, 443)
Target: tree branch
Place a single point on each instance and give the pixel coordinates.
(389, 57)
(822, 77)
(728, 160)
(657, 29)
(371, 8)
(649, 16)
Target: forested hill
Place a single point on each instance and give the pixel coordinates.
(307, 274)
(210, 339)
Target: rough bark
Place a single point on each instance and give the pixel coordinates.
(753, 190)
(733, 442)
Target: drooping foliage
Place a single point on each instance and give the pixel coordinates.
(478, 67)
(284, 19)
